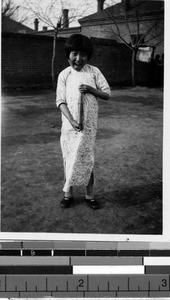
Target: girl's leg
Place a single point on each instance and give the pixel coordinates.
(68, 198)
(89, 187)
(69, 194)
(90, 194)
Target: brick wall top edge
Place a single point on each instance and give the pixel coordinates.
(94, 40)
(31, 36)
(106, 42)
(26, 36)
(59, 38)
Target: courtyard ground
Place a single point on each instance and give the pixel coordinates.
(128, 165)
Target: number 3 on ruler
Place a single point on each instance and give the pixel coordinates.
(164, 282)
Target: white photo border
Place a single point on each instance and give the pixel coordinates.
(165, 237)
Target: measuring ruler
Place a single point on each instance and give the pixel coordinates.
(84, 269)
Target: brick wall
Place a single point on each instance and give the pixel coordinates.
(26, 61)
(113, 59)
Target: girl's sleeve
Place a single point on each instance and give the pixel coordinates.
(61, 90)
(101, 82)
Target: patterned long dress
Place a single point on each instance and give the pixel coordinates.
(78, 147)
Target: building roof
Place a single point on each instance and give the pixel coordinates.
(146, 8)
(10, 25)
(61, 32)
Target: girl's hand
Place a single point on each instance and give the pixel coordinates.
(84, 89)
(75, 125)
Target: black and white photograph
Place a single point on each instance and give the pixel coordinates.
(82, 116)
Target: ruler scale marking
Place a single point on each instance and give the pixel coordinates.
(118, 289)
(5, 282)
(46, 283)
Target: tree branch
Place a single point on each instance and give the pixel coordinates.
(150, 29)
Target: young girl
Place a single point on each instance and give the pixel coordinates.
(79, 81)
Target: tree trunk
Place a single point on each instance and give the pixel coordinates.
(133, 67)
(53, 59)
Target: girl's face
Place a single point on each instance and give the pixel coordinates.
(77, 60)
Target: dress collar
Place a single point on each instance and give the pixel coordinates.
(78, 72)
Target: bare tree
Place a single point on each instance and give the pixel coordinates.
(11, 10)
(8, 9)
(50, 14)
(145, 32)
